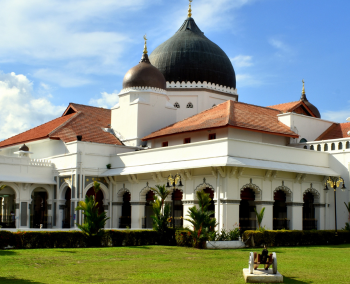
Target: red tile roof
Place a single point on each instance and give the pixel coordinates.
(231, 114)
(335, 131)
(77, 120)
(290, 107)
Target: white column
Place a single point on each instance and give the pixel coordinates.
(17, 213)
(137, 212)
(295, 215)
(117, 213)
(49, 213)
(319, 216)
(268, 213)
(230, 214)
(60, 204)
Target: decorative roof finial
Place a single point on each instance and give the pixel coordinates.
(145, 47)
(303, 91)
(190, 9)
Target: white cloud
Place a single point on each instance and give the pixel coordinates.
(20, 109)
(336, 116)
(106, 100)
(247, 80)
(283, 49)
(241, 61)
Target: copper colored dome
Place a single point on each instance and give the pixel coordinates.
(144, 74)
(24, 147)
(310, 106)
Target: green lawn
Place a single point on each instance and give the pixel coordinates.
(158, 264)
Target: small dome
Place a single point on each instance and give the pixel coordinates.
(24, 147)
(190, 56)
(144, 74)
(312, 108)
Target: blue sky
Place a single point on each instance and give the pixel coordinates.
(59, 51)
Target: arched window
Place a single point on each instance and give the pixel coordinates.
(318, 147)
(312, 147)
(305, 147)
(303, 140)
(177, 105)
(325, 148)
(340, 146)
(189, 105)
(347, 145)
(333, 146)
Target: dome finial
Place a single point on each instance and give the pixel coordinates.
(303, 96)
(190, 9)
(145, 47)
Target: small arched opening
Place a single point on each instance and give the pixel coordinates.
(347, 145)
(280, 220)
(38, 209)
(247, 220)
(340, 146)
(305, 147)
(333, 147)
(312, 147)
(325, 148)
(148, 221)
(318, 147)
(7, 208)
(125, 219)
(178, 207)
(309, 221)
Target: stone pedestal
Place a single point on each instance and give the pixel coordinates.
(262, 276)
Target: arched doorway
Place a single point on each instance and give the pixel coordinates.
(98, 197)
(67, 212)
(38, 209)
(125, 219)
(148, 221)
(309, 221)
(178, 207)
(7, 208)
(247, 219)
(280, 220)
(211, 207)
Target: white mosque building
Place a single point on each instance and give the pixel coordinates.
(179, 113)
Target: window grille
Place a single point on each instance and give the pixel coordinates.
(189, 105)
(177, 105)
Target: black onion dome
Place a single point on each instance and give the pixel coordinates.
(190, 56)
(144, 74)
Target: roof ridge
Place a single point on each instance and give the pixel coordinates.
(89, 106)
(32, 129)
(265, 107)
(64, 123)
(283, 104)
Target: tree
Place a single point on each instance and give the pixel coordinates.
(162, 192)
(200, 218)
(93, 222)
(259, 216)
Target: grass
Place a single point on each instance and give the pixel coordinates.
(160, 264)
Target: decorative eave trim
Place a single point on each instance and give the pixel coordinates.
(294, 204)
(143, 89)
(264, 202)
(204, 85)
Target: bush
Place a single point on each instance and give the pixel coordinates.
(295, 238)
(76, 239)
(183, 238)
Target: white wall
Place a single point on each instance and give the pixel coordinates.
(305, 126)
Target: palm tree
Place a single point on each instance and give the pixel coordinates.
(259, 216)
(162, 192)
(93, 222)
(202, 224)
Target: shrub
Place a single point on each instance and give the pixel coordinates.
(295, 238)
(224, 235)
(183, 238)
